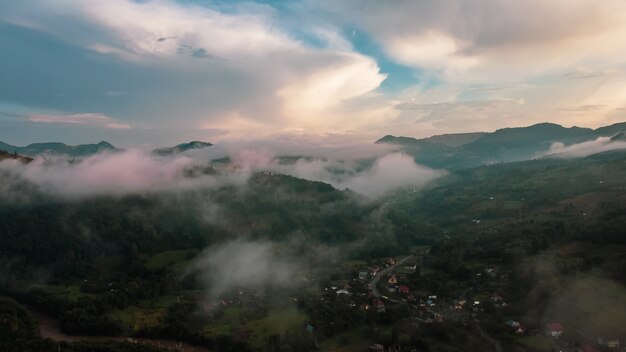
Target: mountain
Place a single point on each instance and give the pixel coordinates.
(457, 151)
(58, 148)
(183, 147)
(455, 139)
(607, 131)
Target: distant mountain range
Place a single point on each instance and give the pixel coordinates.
(180, 148)
(447, 151)
(84, 150)
(57, 148)
(457, 151)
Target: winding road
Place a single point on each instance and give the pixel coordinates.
(381, 273)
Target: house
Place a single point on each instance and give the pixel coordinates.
(374, 270)
(343, 291)
(512, 323)
(554, 330)
(587, 348)
(496, 298)
(516, 326)
(391, 289)
(404, 289)
(410, 266)
(363, 275)
(391, 261)
(610, 342)
(458, 304)
(434, 316)
(392, 280)
(376, 348)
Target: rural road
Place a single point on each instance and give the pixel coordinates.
(382, 273)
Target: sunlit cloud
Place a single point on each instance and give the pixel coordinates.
(89, 119)
(255, 69)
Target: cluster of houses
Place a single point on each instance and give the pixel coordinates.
(555, 330)
(393, 286)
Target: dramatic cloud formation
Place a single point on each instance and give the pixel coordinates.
(602, 144)
(362, 68)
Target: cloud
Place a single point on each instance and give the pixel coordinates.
(254, 70)
(262, 78)
(391, 172)
(90, 119)
(370, 169)
(372, 179)
(580, 150)
(245, 265)
(488, 39)
(104, 174)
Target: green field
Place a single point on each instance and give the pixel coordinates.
(258, 331)
(174, 259)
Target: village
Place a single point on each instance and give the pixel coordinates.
(395, 283)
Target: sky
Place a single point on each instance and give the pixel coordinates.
(157, 72)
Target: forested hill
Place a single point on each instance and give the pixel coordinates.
(70, 236)
(582, 198)
(6, 155)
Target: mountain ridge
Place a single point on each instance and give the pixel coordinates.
(182, 147)
(79, 150)
(502, 145)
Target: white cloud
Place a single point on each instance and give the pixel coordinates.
(491, 39)
(245, 265)
(119, 173)
(239, 70)
(90, 119)
(386, 174)
(580, 150)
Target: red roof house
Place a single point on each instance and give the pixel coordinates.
(554, 329)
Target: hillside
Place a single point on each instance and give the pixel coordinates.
(57, 148)
(6, 155)
(181, 148)
(458, 151)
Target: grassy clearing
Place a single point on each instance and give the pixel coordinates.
(277, 322)
(69, 292)
(148, 313)
(175, 259)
